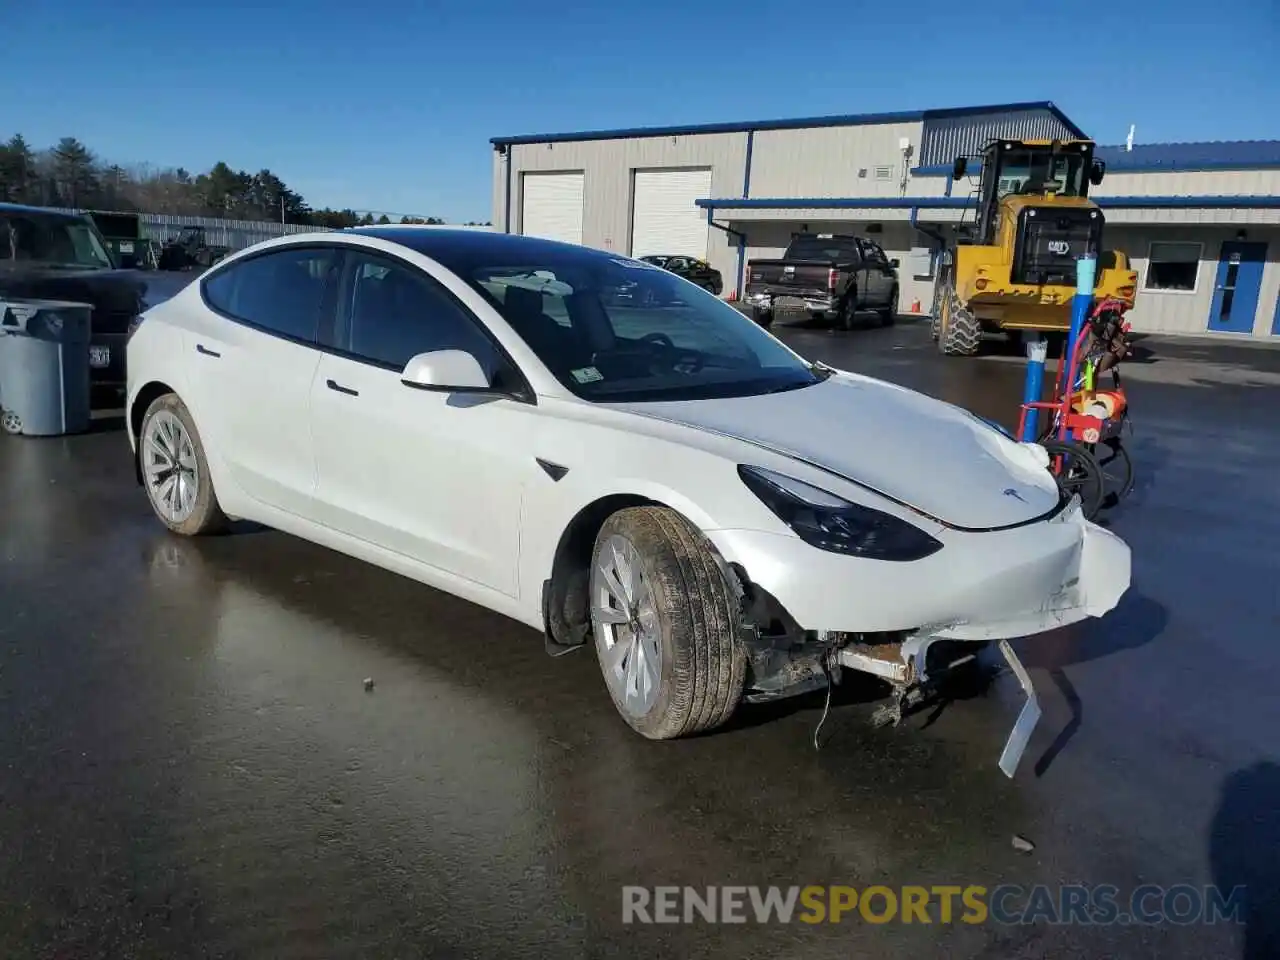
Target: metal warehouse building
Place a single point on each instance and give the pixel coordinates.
(1200, 221)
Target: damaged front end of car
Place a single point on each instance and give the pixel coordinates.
(786, 661)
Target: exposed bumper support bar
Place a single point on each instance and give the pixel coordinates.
(908, 676)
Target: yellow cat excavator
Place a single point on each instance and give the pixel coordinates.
(1013, 268)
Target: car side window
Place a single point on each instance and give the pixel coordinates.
(281, 292)
(395, 312)
(872, 253)
(677, 264)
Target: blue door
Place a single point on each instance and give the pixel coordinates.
(1236, 288)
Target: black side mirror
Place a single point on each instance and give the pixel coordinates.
(1097, 172)
(960, 167)
(894, 262)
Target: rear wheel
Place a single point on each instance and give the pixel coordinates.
(665, 618)
(848, 311)
(175, 470)
(890, 313)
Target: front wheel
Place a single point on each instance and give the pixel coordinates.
(665, 618)
(959, 331)
(175, 470)
(762, 317)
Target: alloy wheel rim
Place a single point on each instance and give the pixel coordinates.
(624, 616)
(170, 468)
(10, 422)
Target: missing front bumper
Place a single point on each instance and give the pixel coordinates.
(908, 669)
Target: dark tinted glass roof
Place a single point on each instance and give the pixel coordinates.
(476, 245)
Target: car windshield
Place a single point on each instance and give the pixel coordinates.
(613, 329)
(30, 238)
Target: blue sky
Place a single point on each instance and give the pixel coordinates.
(390, 105)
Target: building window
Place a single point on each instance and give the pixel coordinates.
(1173, 266)
(884, 173)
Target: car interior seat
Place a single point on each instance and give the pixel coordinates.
(524, 310)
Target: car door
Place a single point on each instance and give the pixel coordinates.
(435, 476)
(879, 273)
(254, 363)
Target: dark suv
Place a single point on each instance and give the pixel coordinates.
(54, 255)
(691, 268)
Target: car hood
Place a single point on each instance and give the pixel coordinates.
(114, 294)
(929, 455)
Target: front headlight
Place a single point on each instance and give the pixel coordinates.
(828, 522)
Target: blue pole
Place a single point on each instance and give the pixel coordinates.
(1033, 386)
(1086, 275)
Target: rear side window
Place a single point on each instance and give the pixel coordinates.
(282, 292)
(872, 253)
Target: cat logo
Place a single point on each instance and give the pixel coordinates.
(1060, 247)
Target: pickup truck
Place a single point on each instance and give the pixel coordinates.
(52, 255)
(824, 274)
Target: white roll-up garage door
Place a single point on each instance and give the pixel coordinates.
(666, 218)
(552, 206)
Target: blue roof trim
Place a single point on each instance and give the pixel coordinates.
(1201, 202)
(1207, 155)
(797, 123)
(834, 203)
(1166, 158)
(943, 203)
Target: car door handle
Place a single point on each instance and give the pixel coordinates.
(334, 385)
(201, 348)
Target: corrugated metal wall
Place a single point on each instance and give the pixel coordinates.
(236, 234)
(946, 138)
(1188, 312)
(861, 161)
(609, 165)
(227, 233)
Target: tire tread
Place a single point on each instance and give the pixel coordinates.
(701, 608)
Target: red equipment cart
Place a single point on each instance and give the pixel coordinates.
(1083, 435)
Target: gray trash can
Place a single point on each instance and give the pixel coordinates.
(44, 367)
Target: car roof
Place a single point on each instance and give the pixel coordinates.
(27, 209)
(430, 240)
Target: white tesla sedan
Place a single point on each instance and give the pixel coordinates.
(606, 452)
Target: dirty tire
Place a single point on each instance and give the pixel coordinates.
(698, 608)
(890, 313)
(848, 312)
(207, 516)
(763, 317)
(959, 333)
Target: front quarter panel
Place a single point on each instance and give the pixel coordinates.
(155, 354)
(637, 461)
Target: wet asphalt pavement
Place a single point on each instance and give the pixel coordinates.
(191, 764)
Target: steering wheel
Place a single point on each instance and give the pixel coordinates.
(659, 338)
(688, 361)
